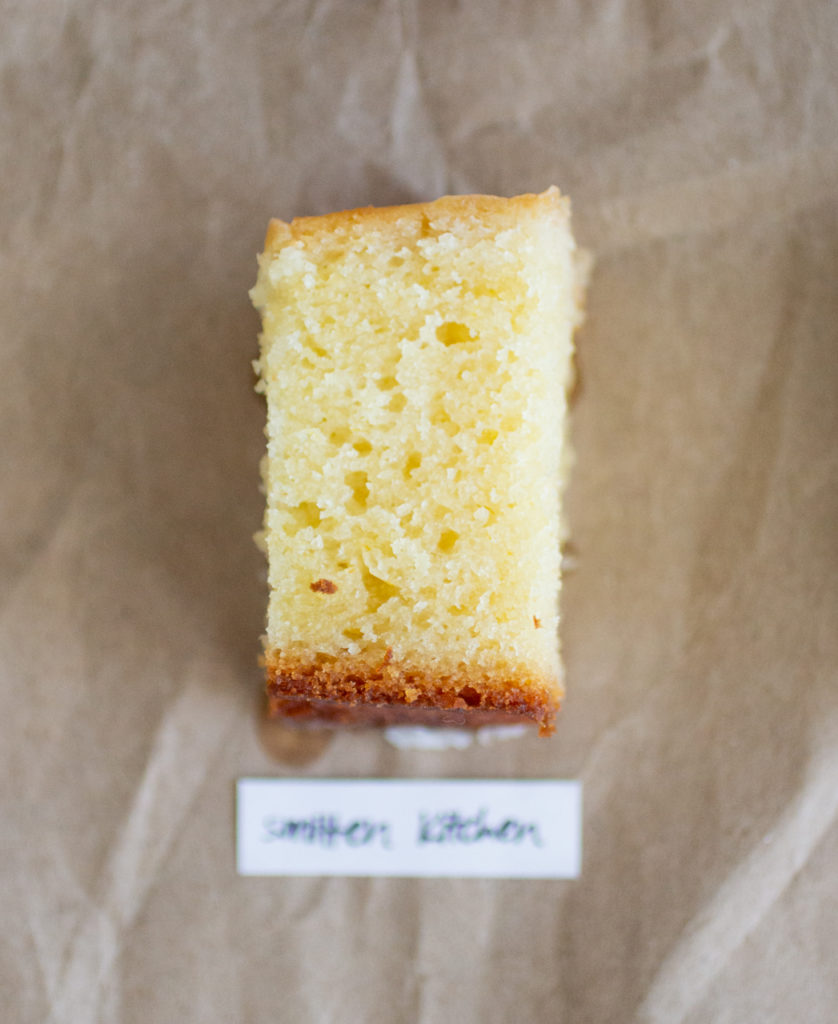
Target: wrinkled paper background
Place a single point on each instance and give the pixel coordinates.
(144, 146)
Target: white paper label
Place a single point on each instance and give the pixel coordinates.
(410, 828)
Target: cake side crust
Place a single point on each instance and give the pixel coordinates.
(356, 690)
(280, 232)
(324, 713)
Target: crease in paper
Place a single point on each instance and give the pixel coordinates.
(764, 189)
(407, 138)
(746, 897)
(184, 745)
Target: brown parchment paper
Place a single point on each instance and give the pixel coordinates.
(144, 146)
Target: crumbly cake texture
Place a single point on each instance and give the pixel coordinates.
(416, 361)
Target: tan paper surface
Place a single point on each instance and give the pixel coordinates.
(144, 146)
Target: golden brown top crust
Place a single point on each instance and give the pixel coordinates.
(444, 213)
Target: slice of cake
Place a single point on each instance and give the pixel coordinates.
(415, 361)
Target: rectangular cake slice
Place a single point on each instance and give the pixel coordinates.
(415, 361)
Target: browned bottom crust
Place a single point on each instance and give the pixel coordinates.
(355, 691)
